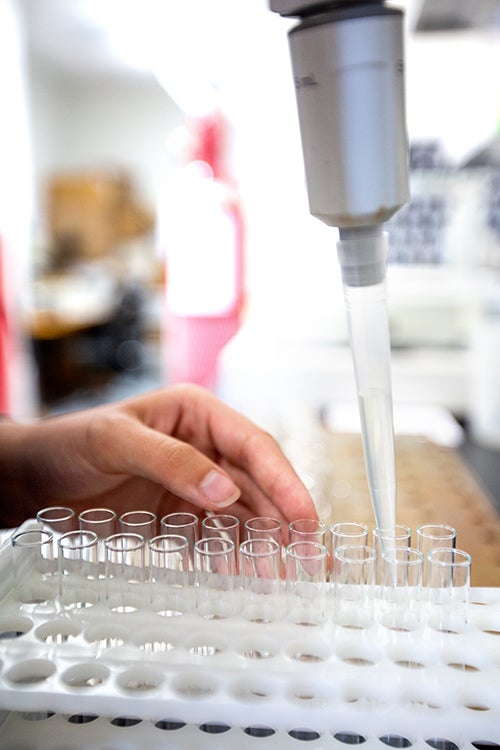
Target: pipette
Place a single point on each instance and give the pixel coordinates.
(348, 63)
(366, 308)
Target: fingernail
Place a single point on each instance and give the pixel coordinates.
(219, 489)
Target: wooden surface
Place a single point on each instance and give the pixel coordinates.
(434, 486)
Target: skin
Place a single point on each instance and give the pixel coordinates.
(174, 449)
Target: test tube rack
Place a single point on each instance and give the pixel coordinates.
(89, 678)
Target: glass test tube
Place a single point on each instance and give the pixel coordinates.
(348, 533)
(33, 567)
(215, 570)
(124, 572)
(223, 525)
(449, 588)
(260, 567)
(57, 519)
(183, 524)
(169, 574)
(78, 563)
(353, 584)
(401, 588)
(429, 537)
(306, 568)
(263, 527)
(142, 522)
(306, 530)
(384, 539)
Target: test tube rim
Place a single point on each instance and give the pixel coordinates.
(275, 547)
(464, 563)
(82, 516)
(321, 554)
(339, 553)
(451, 529)
(151, 517)
(70, 513)
(227, 546)
(41, 533)
(193, 519)
(417, 556)
(109, 540)
(155, 539)
(93, 538)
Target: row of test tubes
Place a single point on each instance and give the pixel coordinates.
(306, 573)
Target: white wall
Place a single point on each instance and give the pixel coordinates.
(99, 123)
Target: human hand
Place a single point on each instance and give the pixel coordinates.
(177, 448)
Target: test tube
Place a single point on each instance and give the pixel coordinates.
(57, 518)
(223, 525)
(449, 588)
(306, 568)
(183, 524)
(431, 536)
(124, 572)
(78, 562)
(401, 588)
(263, 527)
(102, 521)
(306, 530)
(348, 533)
(215, 569)
(33, 567)
(260, 566)
(399, 536)
(169, 574)
(142, 522)
(353, 585)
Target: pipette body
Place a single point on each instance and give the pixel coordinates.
(348, 68)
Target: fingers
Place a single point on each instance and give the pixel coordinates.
(122, 444)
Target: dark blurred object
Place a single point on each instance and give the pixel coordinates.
(87, 357)
(457, 15)
(90, 215)
(426, 155)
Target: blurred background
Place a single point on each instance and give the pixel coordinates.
(154, 223)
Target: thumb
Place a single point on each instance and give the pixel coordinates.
(135, 449)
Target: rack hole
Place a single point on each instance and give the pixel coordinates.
(156, 646)
(57, 632)
(85, 675)
(206, 644)
(37, 715)
(350, 738)
(194, 686)
(309, 652)
(440, 743)
(259, 731)
(253, 690)
(462, 666)
(305, 735)
(214, 728)
(409, 664)
(256, 649)
(140, 680)
(82, 718)
(106, 636)
(396, 740)
(14, 627)
(125, 721)
(170, 725)
(31, 672)
(484, 745)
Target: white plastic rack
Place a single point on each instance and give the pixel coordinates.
(92, 678)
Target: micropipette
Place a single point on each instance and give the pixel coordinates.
(348, 68)
(366, 308)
